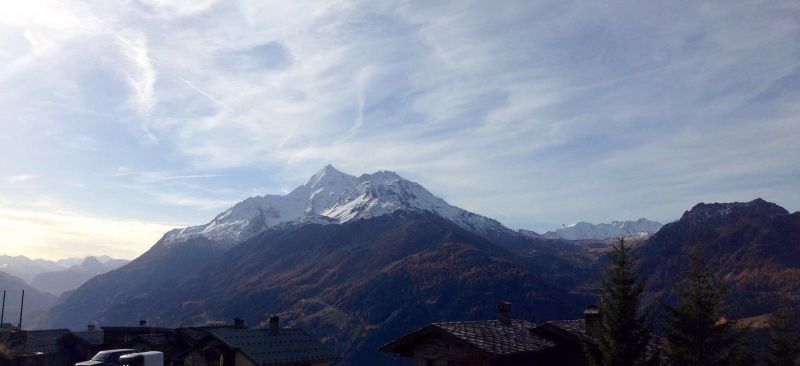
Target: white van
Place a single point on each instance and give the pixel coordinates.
(151, 358)
(106, 358)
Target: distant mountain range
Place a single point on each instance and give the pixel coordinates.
(58, 282)
(57, 277)
(586, 231)
(358, 261)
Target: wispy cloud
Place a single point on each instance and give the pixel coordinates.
(21, 178)
(538, 113)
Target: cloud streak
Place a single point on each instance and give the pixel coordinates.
(21, 178)
(536, 113)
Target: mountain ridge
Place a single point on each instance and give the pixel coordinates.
(59, 282)
(753, 247)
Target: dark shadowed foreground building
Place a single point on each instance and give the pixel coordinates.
(221, 345)
(239, 346)
(501, 342)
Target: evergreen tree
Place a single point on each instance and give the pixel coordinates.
(784, 339)
(697, 333)
(623, 335)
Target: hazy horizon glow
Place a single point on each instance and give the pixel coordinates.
(121, 120)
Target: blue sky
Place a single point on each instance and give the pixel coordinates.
(120, 120)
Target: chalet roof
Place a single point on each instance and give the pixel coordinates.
(93, 338)
(498, 339)
(574, 327)
(266, 347)
(136, 330)
(193, 335)
(153, 340)
(489, 336)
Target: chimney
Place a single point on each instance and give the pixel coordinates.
(274, 323)
(90, 327)
(239, 324)
(142, 323)
(504, 313)
(593, 319)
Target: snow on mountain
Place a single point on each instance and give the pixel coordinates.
(330, 196)
(586, 231)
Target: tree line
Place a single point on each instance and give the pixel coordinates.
(695, 330)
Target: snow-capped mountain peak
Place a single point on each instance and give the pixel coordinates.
(330, 196)
(586, 231)
(322, 189)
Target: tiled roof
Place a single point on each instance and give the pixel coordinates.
(265, 347)
(576, 327)
(94, 338)
(154, 340)
(193, 335)
(497, 339)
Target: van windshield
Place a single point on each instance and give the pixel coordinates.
(102, 357)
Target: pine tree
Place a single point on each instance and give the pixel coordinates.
(623, 335)
(697, 333)
(784, 339)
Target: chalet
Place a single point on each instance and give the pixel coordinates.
(240, 346)
(501, 342)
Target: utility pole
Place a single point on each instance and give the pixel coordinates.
(3, 312)
(21, 307)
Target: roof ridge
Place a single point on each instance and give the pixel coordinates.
(481, 321)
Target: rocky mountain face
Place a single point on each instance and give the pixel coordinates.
(58, 282)
(36, 302)
(753, 246)
(160, 267)
(640, 228)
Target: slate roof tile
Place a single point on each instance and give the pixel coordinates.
(286, 346)
(497, 339)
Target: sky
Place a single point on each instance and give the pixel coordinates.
(120, 120)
